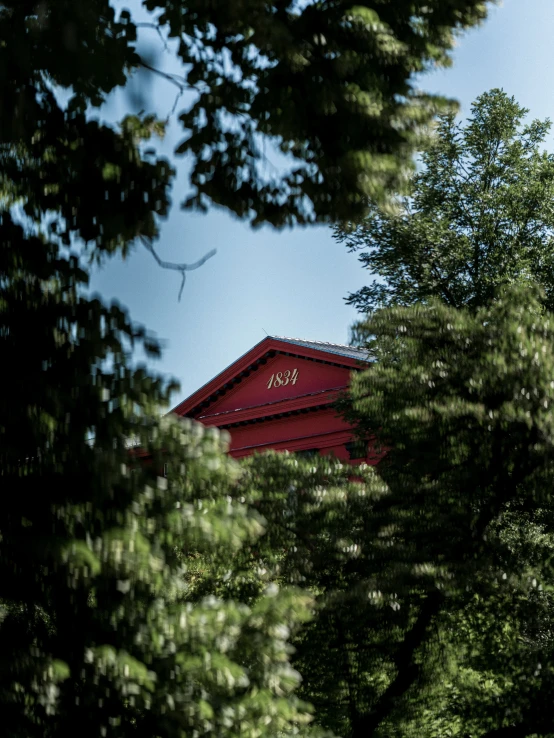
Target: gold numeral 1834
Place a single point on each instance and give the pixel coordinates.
(281, 379)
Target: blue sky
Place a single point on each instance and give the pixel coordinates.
(292, 282)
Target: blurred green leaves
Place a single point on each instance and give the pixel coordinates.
(134, 605)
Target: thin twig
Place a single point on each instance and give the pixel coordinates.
(175, 79)
(174, 107)
(156, 28)
(183, 268)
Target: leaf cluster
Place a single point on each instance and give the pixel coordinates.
(478, 215)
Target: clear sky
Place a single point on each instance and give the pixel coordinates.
(292, 282)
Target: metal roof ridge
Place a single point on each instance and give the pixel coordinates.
(322, 343)
(352, 352)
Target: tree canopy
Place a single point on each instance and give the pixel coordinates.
(433, 573)
(102, 629)
(329, 84)
(123, 611)
(478, 215)
(464, 405)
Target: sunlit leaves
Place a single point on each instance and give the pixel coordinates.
(478, 215)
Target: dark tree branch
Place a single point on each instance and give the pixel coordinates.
(444, 286)
(407, 670)
(183, 268)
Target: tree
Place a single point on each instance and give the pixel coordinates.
(465, 406)
(328, 84)
(104, 629)
(452, 369)
(478, 215)
(433, 576)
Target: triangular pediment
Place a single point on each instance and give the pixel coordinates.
(274, 372)
(282, 377)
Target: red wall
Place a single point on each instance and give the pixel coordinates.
(313, 430)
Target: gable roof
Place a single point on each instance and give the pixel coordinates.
(331, 348)
(241, 368)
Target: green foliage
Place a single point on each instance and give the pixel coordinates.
(460, 396)
(102, 632)
(464, 403)
(478, 215)
(433, 576)
(329, 84)
(126, 603)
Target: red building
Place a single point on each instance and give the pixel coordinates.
(280, 395)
